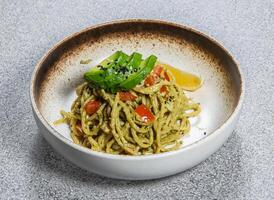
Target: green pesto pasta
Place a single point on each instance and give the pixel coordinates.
(116, 128)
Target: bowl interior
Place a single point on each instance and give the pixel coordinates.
(60, 70)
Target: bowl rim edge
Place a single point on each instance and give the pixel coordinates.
(230, 119)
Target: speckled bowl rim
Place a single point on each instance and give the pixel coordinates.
(219, 130)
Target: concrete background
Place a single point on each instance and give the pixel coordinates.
(242, 169)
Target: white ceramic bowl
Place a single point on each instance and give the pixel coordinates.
(58, 73)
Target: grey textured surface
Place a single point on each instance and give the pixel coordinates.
(242, 169)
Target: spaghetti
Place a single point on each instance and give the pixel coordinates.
(116, 126)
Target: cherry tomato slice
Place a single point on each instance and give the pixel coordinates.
(127, 96)
(166, 76)
(163, 89)
(92, 106)
(144, 112)
(150, 80)
(158, 70)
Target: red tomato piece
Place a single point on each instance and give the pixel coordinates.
(92, 106)
(158, 70)
(166, 76)
(144, 112)
(163, 89)
(150, 80)
(127, 96)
